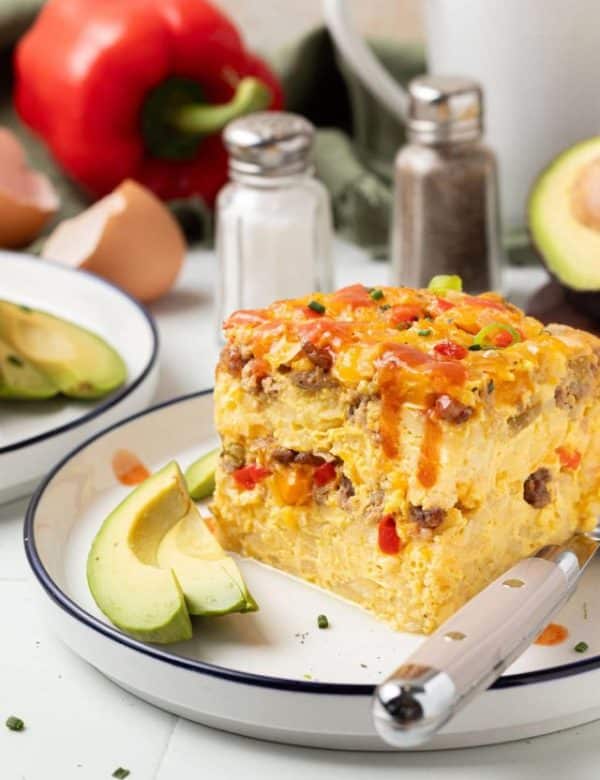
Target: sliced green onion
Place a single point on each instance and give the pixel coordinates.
(483, 341)
(15, 724)
(316, 306)
(444, 282)
(424, 332)
(121, 773)
(322, 621)
(376, 294)
(581, 647)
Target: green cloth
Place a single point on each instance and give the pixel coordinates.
(356, 138)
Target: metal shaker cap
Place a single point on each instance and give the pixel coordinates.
(444, 109)
(269, 143)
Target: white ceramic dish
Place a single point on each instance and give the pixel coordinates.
(34, 436)
(273, 674)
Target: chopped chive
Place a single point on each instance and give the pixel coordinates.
(581, 647)
(376, 294)
(15, 724)
(385, 307)
(322, 621)
(25, 308)
(121, 773)
(424, 332)
(475, 347)
(308, 676)
(490, 386)
(316, 306)
(14, 360)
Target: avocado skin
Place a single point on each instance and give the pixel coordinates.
(96, 370)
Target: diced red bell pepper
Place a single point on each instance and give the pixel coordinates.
(324, 474)
(248, 477)
(450, 349)
(388, 539)
(569, 458)
(443, 304)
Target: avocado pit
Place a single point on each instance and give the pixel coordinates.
(585, 196)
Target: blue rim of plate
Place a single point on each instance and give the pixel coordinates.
(113, 398)
(232, 675)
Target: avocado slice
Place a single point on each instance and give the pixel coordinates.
(20, 380)
(79, 363)
(140, 598)
(564, 216)
(210, 580)
(200, 476)
(154, 562)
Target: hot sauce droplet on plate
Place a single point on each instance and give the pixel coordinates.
(553, 634)
(128, 468)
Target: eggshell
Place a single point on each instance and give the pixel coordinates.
(129, 237)
(27, 198)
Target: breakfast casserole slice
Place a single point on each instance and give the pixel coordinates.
(402, 447)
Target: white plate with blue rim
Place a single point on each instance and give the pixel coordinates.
(273, 674)
(35, 435)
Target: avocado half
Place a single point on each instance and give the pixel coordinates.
(564, 219)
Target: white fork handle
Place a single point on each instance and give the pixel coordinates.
(468, 652)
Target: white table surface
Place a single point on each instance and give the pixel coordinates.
(80, 726)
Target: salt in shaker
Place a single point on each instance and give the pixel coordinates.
(273, 218)
(446, 203)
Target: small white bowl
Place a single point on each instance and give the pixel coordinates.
(35, 435)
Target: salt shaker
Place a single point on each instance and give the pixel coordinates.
(273, 218)
(446, 191)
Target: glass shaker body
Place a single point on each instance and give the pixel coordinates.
(273, 240)
(446, 215)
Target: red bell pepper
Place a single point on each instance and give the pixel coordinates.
(138, 89)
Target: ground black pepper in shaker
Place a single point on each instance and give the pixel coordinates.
(446, 191)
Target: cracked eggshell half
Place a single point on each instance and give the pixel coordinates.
(27, 198)
(129, 237)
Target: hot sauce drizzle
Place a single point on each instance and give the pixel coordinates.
(553, 634)
(128, 468)
(429, 459)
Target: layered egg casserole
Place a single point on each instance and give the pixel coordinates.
(402, 447)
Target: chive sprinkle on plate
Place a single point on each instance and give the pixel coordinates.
(121, 773)
(581, 647)
(15, 724)
(322, 621)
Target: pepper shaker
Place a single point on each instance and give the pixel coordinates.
(274, 218)
(446, 216)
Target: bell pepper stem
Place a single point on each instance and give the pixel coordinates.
(204, 119)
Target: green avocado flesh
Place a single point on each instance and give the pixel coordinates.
(19, 379)
(200, 476)
(154, 563)
(72, 360)
(564, 216)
